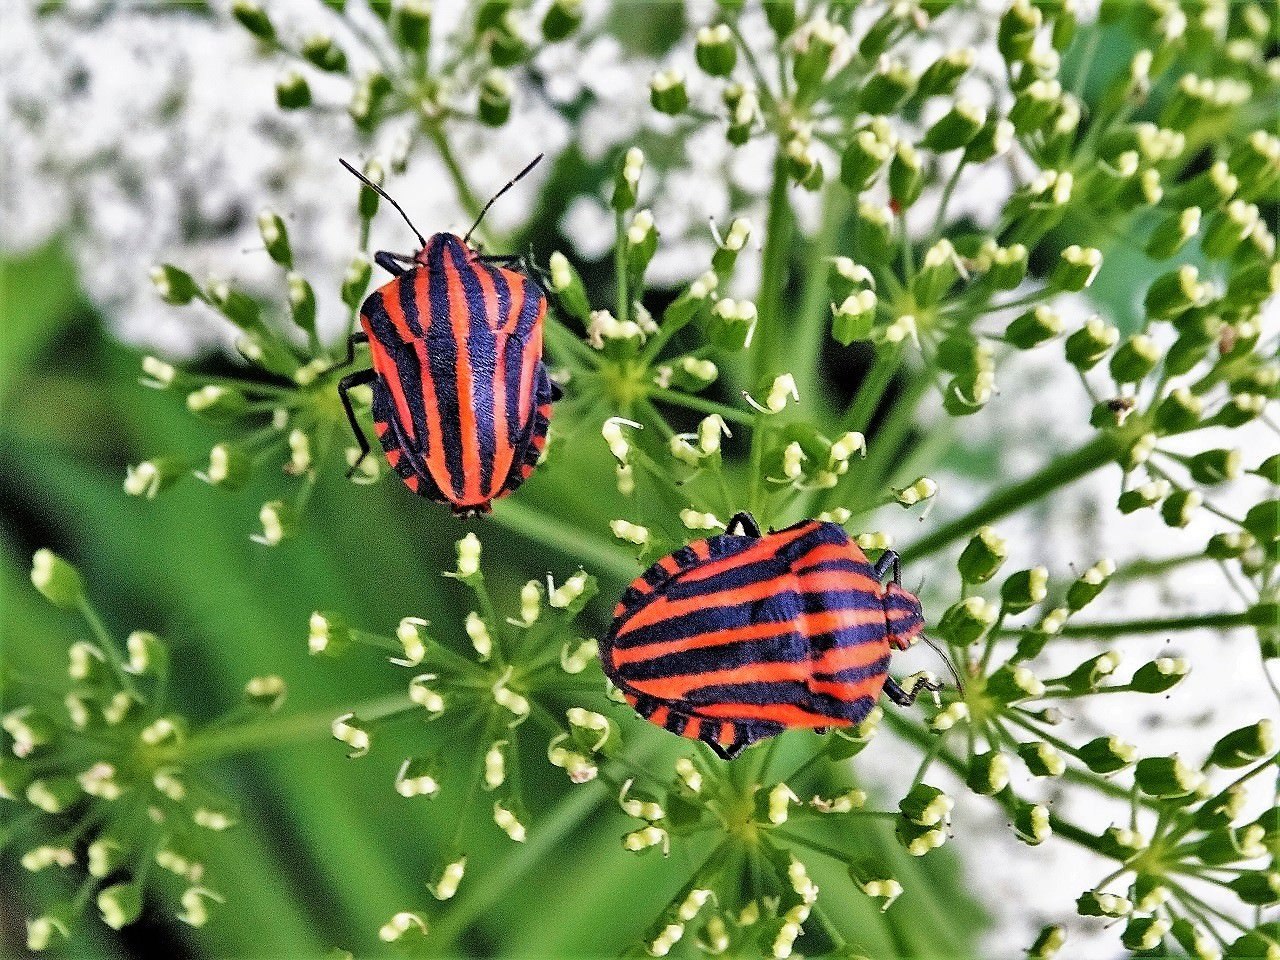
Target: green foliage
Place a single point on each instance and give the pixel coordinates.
(1138, 133)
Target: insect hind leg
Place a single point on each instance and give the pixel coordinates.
(888, 560)
(905, 698)
(391, 262)
(745, 524)
(358, 379)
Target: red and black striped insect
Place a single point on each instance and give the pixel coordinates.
(461, 396)
(738, 637)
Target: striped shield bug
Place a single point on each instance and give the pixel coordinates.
(740, 636)
(461, 396)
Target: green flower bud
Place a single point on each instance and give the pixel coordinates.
(30, 730)
(939, 270)
(292, 91)
(993, 140)
(874, 230)
(321, 52)
(412, 25)
(1024, 589)
(1041, 759)
(120, 904)
(1211, 467)
(906, 175)
(1134, 359)
(1076, 268)
(1178, 412)
(254, 19)
(1180, 506)
(1257, 887)
(988, 773)
(495, 98)
(1006, 266)
(302, 302)
(1255, 162)
(876, 39)
(56, 579)
(1013, 682)
(1095, 903)
(956, 128)
(1034, 105)
(732, 323)
(1228, 228)
(174, 286)
(1172, 232)
(982, 556)
(942, 76)
(716, 52)
(1144, 933)
(1226, 844)
(887, 89)
(1017, 30)
(803, 164)
(1159, 675)
(1090, 674)
(667, 92)
(1240, 409)
(744, 112)
(1229, 546)
(53, 794)
(816, 44)
(1107, 755)
(1172, 293)
(967, 621)
(627, 181)
(367, 96)
(846, 278)
(1167, 777)
(1047, 943)
(507, 44)
(1036, 326)
(969, 393)
(1031, 823)
(1242, 747)
(926, 806)
(567, 286)
(563, 17)
(854, 317)
(151, 477)
(1090, 584)
(275, 238)
(1260, 942)
(919, 840)
(356, 281)
(1194, 940)
(961, 353)
(781, 15)
(862, 160)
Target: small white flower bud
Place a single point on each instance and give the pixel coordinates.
(693, 520)
(401, 924)
(923, 489)
(195, 910)
(689, 774)
(574, 660)
(668, 938)
(478, 633)
(413, 640)
(640, 809)
(784, 386)
(507, 698)
(468, 557)
(353, 736)
(507, 822)
(424, 696)
(780, 799)
(563, 596)
(450, 877)
(413, 780)
(647, 837)
(495, 765)
(710, 430)
(630, 532)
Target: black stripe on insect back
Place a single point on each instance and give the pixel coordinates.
(442, 355)
(482, 348)
(409, 303)
(408, 369)
(512, 394)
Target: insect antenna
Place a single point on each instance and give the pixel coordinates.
(510, 183)
(387, 197)
(955, 674)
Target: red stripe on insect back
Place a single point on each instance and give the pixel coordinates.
(386, 368)
(784, 713)
(675, 688)
(503, 450)
(530, 357)
(692, 729)
(807, 624)
(847, 691)
(701, 549)
(659, 716)
(662, 609)
(468, 436)
(765, 548)
(391, 303)
(846, 658)
(726, 735)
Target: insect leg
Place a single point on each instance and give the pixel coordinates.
(390, 262)
(905, 698)
(745, 524)
(888, 559)
(358, 379)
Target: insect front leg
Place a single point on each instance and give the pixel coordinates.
(888, 560)
(390, 262)
(745, 524)
(905, 698)
(358, 379)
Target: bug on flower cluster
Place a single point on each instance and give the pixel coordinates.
(741, 636)
(461, 396)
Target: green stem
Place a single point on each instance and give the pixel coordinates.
(773, 279)
(1115, 628)
(623, 305)
(702, 405)
(468, 199)
(1065, 470)
(108, 645)
(266, 734)
(566, 538)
